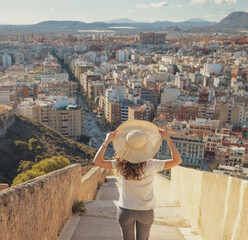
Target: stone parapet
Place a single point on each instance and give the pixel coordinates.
(216, 205)
(39, 208)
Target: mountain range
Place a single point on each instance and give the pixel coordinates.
(234, 21)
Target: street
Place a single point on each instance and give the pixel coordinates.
(94, 129)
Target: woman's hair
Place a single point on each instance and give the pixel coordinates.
(130, 171)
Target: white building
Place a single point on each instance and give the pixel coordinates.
(211, 68)
(169, 95)
(113, 94)
(7, 60)
(60, 77)
(182, 81)
(121, 56)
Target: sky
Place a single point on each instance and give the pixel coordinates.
(35, 11)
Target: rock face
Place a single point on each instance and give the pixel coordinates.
(6, 118)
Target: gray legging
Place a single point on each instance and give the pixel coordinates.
(143, 220)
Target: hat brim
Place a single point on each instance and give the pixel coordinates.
(148, 151)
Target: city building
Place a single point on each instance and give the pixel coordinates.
(51, 77)
(58, 112)
(114, 112)
(202, 104)
(188, 111)
(152, 38)
(202, 127)
(139, 112)
(69, 89)
(168, 95)
(168, 112)
(191, 149)
(95, 89)
(212, 142)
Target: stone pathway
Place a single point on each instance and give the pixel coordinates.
(99, 220)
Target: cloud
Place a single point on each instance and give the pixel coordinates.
(209, 16)
(160, 4)
(153, 5)
(199, 2)
(142, 6)
(130, 11)
(226, 1)
(179, 6)
(52, 9)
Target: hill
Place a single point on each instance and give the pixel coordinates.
(13, 147)
(74, 26)
(235, 20)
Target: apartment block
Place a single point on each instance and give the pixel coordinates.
(95, 89)
(212, 142)
(235, 114)
(26, 90)
(168, 95)
(138, 112)
(188, 111)
(114, 112)
(168, 112)
(202, 104)
(152, 38)
(191, 148)
(230, 155)
(89, 77)
(202, 127)
(49, 77)
(57, 112)
(69, 89)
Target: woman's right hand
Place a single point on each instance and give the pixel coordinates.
(110, 137)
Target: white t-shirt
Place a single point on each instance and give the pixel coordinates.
(138, 195)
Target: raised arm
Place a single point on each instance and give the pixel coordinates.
(99, 157)
(176, 157)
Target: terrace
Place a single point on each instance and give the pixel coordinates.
(192, 205)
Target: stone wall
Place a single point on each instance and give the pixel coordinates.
(216, 205)
(39, 208)
(3, 186)
(6, 118)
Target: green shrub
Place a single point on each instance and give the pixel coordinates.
(44, 166)
(26, 176)
(33, 145)
(24, 166)
(21, 146)
(214, 166)
(78, 206)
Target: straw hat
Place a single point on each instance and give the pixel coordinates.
(137, 140)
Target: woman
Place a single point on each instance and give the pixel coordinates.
(136, 142)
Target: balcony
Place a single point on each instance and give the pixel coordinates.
(190, 206)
